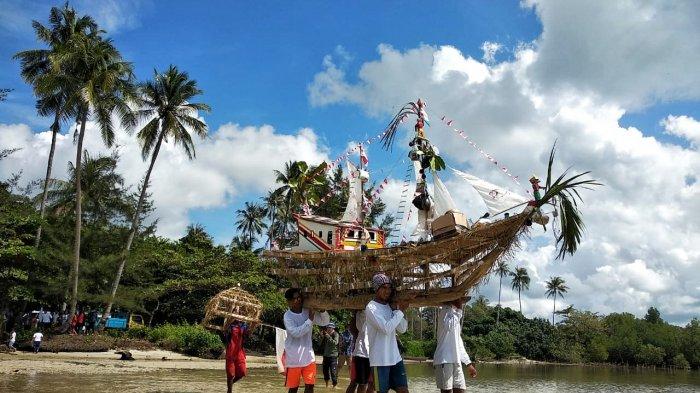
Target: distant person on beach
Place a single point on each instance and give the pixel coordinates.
(13, 339)
(384, 319)
(80, 322)
(361, 377)
(45, 319)
(329, 343)
(298, 351)
(346, 344)
(36, 341)
(235, 355)
(450, 353)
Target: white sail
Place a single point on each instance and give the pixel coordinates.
(354, 206)
(497, 198)
(442, 197)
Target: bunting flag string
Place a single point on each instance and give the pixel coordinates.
(353, 149)
(501, 167)
(369, 201)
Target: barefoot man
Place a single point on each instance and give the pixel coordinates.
(450, 353)
(384, 320)
(298, 351)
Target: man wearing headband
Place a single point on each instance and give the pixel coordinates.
(384, 320)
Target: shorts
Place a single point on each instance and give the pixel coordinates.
(391, 377)
(450, 376)
(294, 374)
(236, 368)
(360, 371)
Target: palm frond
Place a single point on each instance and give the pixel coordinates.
(390, 131)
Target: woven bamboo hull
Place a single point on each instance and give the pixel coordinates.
(426, 274)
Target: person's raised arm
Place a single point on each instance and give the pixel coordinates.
(297, 331)
(386, 326)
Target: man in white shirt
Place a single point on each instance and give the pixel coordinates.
(360, 371)
(450, 352)
(300, 360)
(384, 320)
(36, 341)
(13, 339)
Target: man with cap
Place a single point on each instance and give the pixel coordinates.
(384, 318)
(450, 353)
(298, 350)
(329, 343)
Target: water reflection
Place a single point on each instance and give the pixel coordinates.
(492, 378)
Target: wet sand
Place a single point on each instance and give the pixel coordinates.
(108, 362)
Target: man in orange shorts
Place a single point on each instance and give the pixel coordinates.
(298, 351)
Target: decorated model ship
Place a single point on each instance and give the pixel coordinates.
(446, 254)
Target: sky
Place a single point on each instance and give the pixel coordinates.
(614, 83)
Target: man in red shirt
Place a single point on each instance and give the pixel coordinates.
(235, 355)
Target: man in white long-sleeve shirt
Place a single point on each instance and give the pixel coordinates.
(450, 352)
(383, 320)
(298, 350)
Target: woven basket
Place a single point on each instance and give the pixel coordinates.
(230, 305)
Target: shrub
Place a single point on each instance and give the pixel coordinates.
(597, 350)
(139, 332)
(650, 355)
(500, 342)
(680, 362)
(189, 339)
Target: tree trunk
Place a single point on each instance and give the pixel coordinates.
(55, 129)
(555, 307)
(78, 215)
(498, 308)
(132, 233)
(519, 302)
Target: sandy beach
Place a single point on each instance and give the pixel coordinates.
(108, 362)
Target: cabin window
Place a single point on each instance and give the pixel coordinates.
(329, 238)
(372, 236)
(320, 234)
(351, 234)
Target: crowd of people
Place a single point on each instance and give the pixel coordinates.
(368, 345)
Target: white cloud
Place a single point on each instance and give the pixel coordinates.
(233, 161)
(683, 126)
(642, 242)
(490, 49)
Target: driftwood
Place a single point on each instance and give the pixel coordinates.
(425, 274)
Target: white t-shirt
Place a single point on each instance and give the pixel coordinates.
(298, 349)
(46, 317)
(362, 341)
(450, 346)
(37, 336)
(382, 325)
(13, 336)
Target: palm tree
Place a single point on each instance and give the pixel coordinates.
(501, 270)
(64, 25)
(250, 220)
(299, 186)
(165, 102)
(271, 206)
(520, 282)
(96, 83)
(555, 286)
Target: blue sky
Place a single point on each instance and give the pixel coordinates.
(301, 81)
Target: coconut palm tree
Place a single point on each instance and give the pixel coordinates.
(97, 83)
(501, 270)
(555, 286)
(64, 26)
(165, 103)
(520, 282)
(271, 205)
(250, 220)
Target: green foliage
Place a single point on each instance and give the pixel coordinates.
(500, 342)
(649, 355)
(680, 362)
(189, 339)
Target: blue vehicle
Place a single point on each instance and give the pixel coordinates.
(123, 321)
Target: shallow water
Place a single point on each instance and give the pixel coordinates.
(492, 378)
